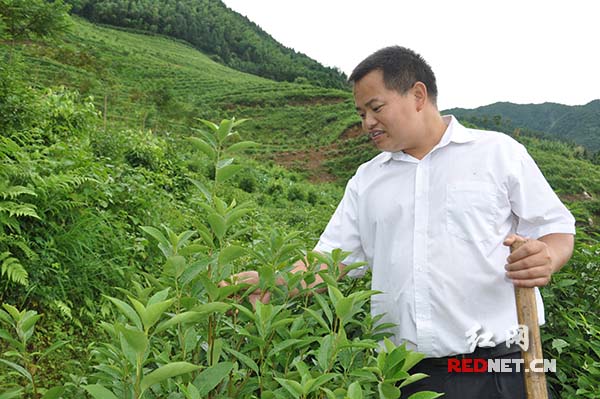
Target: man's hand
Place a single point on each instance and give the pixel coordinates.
(249, 277)
(533, 264)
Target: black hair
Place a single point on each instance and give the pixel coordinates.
(401, 68)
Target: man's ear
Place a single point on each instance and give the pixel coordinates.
(419, 91)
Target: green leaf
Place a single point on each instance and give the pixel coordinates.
(217, 348)
(251, 364)
(193, 392)
(412, 358)
(325, 352)
(329, 393)
(413, 378)
(155, 311)
(12, 311)
(54, 393)
(425, 395)
(224, 129)
(99, 392)
(317, 382)
(239, 121)
(51, 349)
(217, 224)
(325, 306)
(565, 283)
(393, 363)
(140, 309)
(13, 393)
(211, 125)
(159, 296)
(203, 189)
(19, 369)
(175, 266)
(193, 249)
(212, 376)
(156, 234)
(230, 253)
(136, 339)
(204, 147)
(242, 145)
(334, 294)
(291, 386)
(210, 287)
(7, 337)
(282, 346)
(185, 317)
(559, 344)
(317, 317)
(236, 214)
(388, 391)
(327, 278)
(355, 391)
(227, 172)
(343, 309)
(165, 372)
(212, 307)
(27, 322)
(224, 162)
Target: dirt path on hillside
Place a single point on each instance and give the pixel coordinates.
(312, 160)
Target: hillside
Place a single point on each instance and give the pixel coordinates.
(121, 213)
(151, 82)
(213, 28)
(577, 124)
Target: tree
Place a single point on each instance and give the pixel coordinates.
(30, 19)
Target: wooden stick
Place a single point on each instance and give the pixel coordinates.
(535, 382)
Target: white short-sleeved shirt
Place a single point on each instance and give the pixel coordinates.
(432, 232)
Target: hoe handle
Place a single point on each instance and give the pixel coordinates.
(535, 382)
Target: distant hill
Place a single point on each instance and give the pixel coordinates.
(578, 124)
(213, 28)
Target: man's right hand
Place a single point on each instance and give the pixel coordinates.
(249, 277)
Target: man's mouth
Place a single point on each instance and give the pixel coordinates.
(373, 135)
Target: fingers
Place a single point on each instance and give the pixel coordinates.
(531, 283)
(530, 265)
(262, 296)
(524, 277)
(512, 238)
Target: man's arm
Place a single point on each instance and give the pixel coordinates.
(533, 264)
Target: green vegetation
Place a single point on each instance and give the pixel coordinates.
(576, 124)
(213, 28)
(121, 211)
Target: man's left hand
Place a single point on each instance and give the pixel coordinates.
(531, 265)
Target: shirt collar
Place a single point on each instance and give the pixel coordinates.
(455, 133)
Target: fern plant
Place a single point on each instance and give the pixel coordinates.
(12, 209)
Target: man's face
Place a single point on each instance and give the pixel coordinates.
(390, 118)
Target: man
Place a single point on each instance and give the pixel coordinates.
(433, 215)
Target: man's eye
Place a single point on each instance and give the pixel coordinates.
(378, 108)
(362, 116)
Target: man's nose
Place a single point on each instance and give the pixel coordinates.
(369, 122)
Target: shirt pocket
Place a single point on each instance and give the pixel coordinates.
(472, 210)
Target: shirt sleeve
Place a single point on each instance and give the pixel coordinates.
(536, 205)
(342, 231)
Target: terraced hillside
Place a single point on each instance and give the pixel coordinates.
(150, 81)
(153, 82)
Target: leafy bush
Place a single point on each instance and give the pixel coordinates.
(572, 333)
(200, 338)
